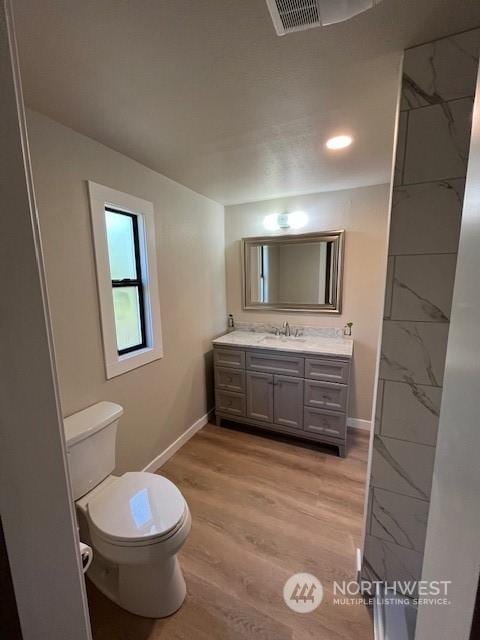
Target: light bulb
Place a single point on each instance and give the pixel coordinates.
(339, 142)
(297, 219)
(271, 222)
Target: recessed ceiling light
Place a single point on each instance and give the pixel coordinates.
(339, 142)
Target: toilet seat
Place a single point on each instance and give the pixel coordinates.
(138, 509)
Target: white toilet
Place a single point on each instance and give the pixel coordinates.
(135, 523)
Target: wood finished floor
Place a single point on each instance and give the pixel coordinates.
(262, 508)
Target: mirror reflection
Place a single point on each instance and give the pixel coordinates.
(298, 273)
(294, 272)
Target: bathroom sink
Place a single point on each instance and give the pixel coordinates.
(283, 339)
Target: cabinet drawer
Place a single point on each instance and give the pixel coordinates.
(230, 379)
(230, 402)
(229, 358)
(326, 395)
(327, 423)
(273, 363)
(327, 370)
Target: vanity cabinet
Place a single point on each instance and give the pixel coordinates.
(275, 399)
(260, 396)
(275, 363)
(328, 370)
(285, 392)
(230, 379)
(326, 395)
(288, 401)
(232, 404)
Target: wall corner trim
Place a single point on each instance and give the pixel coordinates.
(177, 444)
(358, 423)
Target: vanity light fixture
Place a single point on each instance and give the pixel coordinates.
(277, 221)
(297, 219)
(339, 142)
(271, 222)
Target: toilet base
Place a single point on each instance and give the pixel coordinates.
(150, 591)
(154, 591)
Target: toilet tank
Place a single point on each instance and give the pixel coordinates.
(91, 437)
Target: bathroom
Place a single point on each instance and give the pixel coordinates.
(280, 432)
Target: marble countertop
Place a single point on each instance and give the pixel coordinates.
(317, 345)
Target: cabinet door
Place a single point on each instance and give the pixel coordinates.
(288, 401)
(260, 396)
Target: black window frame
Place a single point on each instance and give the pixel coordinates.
(262, 273)
(129, 282)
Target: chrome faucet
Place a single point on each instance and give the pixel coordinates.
(286, 329)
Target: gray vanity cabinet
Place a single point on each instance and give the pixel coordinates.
(326, 395)
(285, 392)
(232, 404)
(230, 379)
(328, 423)
(275, 399)
(329, 370)
(260, 396)
(275, 363)
(232, 358)
(288, 401)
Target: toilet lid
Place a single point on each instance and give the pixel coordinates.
(139, 507)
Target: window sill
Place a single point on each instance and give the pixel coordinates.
(132, 360)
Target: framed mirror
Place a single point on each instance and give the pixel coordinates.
(294, 272)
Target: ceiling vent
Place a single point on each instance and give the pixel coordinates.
(297, 15)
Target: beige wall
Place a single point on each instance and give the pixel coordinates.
(165, 397)
(295, 261)
(363, 213)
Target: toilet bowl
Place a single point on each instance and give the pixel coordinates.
(136, 523)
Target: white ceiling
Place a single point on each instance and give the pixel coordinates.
(206, 93)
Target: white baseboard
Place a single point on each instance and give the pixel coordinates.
(160, 460)
(358, 423)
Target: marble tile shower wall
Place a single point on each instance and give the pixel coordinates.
(431, 161)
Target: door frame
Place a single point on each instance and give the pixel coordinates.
(36, 503)
(452, 548)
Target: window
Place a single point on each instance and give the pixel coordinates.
(126, 274)
(263, 273)
(124, 241)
